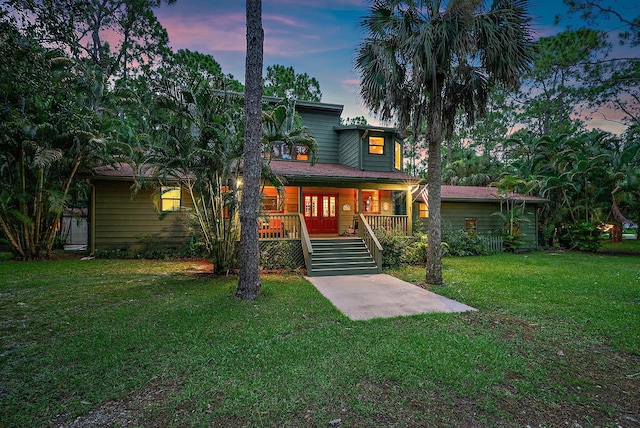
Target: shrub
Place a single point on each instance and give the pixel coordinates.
(459, 243)
(416, 253)
(584, 236)
(397, 247)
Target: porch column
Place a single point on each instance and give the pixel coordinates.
(358, 209)
(409, 205)
(300, 200)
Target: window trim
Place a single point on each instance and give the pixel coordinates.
(471, 225)
(278, 200)
(166, 198)
(423, 210)
(375, 201)
(374, 143)
(397, 150)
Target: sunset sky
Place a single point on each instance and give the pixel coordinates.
(317, 37)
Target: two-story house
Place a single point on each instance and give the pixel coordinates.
(331, 207)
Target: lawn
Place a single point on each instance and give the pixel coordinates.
(626, 246)
(555, 342)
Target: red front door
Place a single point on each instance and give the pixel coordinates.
(320, 213)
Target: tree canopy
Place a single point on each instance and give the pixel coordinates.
(284, 82)
(423, 62)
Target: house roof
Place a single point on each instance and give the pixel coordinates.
(477, 194)
(122, 171)
(305, 171)
(293, 171)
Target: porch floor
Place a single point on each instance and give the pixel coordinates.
(364, 297)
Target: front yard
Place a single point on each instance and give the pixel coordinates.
(556, 342)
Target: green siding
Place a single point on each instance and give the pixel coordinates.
(121, 222)
(454, 213)
(321, 126)
(371, 162)
(349, 143)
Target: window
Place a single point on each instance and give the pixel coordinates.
(424, 210)
(170, 198)
(302, 153)
(271, 201)
(471, 226)
(370, 201)
(282, 151)
(376, 145)
(398, 156)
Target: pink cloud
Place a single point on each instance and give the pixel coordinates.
(215, 32)
(280, 20)
(323, 4)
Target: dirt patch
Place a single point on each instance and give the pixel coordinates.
(142, 408)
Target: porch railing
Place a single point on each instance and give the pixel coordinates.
(305, 241)
(370, 240)
(279, 226)
(388, 222)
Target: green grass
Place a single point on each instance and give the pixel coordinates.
(553, 341)
(629, 245)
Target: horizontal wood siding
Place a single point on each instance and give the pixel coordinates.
(349, 148)
(371, 162)
(453, 214)
(121, 222)
(321, 126)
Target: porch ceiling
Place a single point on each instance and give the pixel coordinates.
(304, 171)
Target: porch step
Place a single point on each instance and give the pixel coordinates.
(342, 256)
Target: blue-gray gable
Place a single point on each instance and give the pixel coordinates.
(350, 143)
(346, 145)
(373, 162)
(322, 124)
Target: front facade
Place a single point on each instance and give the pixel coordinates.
(356, 186)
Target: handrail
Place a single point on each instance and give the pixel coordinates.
(370, 240)
(305, 241)
(388, 222)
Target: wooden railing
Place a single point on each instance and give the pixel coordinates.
(370, 240)
(279, 226)
(388, 222)
(307, 249)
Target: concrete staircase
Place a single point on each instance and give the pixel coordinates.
(341, 256)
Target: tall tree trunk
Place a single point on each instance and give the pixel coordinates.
(434, 178)
(249, 285)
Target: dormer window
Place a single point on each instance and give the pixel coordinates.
(376, 145)
(398, 156)
(282, 151)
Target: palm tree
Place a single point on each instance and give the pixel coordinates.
(424, 61)
(198, 137)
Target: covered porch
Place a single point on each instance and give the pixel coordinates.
(333, 211)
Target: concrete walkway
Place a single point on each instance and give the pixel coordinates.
(364, 297)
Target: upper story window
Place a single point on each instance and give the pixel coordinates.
(398, 156)
(170, 198)
(282, 151)
(376, 145)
